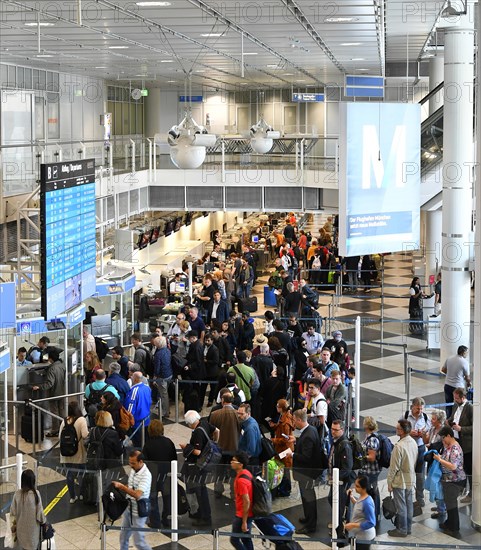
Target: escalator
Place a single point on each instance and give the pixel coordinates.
(432, 135)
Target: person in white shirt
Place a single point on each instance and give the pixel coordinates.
(314, 340)
(137, 488)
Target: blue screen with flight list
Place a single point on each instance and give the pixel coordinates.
(67, 211)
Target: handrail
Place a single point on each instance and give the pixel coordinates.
(432, 93)
(75, 142)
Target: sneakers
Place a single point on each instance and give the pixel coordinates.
(73, 500)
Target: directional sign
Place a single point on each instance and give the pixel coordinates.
(307, 98)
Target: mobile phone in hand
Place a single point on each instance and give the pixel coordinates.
(285, 436)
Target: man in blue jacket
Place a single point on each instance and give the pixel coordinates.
(250, 439)
(117, 381)
(138, 402)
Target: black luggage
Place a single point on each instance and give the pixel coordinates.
(89, 489)
(248, 304)
(26, 427)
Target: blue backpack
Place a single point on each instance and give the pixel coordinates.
(275, 525)
(385, 450)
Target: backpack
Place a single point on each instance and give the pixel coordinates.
(101, 348)
(267, 450)
(261, 496)
(95, 451)
(149, 362)
(68, 439)
(316, 263)
(276, 524)
(385, 450)
(358, 456)
(114, 503)
(210, 456)
(127, 419)
(275, 281)
(95, 395)
(406, 414)
(275, 473)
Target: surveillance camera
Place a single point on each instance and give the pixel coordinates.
(217, 89)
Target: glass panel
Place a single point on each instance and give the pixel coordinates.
(118, 119)
(128, 316)
(35, 79)
(139, 121)
(39, 117)
(20, 77)
(125, 119)
(132, 118)
(16, 118)
(3, 75)
(41, 80)
(53, 112)
(12, 76)
(28, 79)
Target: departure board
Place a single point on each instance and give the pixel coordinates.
(67, 217)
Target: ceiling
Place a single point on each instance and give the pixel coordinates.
(286, 43)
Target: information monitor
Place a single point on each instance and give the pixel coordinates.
(67, 227)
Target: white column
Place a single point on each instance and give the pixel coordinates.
(476, 351)
(436, 76)
(434, 220)
(457, 166)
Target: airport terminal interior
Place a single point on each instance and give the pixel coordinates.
(149, 147)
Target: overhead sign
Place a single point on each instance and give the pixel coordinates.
(115, 287)
(307, 98)
(191, 99)
(75, 316)
(364, 86)
(8, 305)
(379, 177)
(37, 325)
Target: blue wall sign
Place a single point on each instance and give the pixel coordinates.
(5, 360)
(8, 305)
(307, 98)
(191, 99)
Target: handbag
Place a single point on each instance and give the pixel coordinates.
(389, 508)
(143, 507)
(47, 531)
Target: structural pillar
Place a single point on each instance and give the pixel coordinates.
(476, 351)
(436, 76)
(457, 185)
(433, 242)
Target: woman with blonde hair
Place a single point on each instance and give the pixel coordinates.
(92, 365)
(284, 426)
(105, 433)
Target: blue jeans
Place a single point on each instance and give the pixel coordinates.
(128, 522)
(403, 499)
(241, 543)
(71, 475)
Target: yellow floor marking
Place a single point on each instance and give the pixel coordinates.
(55, 501)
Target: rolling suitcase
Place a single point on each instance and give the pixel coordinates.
(26, 427)
(89, 489)
(269, 297)
(248, 304)
(277, 525)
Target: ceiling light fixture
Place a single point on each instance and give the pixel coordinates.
(362, 69)
(44, 55)
(166, 61)
(152, 4)
(100, 67)
(340, 19)
(358, 59)
(247, 53)
(300, 80)
(273, 66)
(351, 43)
(288, 74)
(171, 81)
(118, 47)
(211, 34)
(42, 24)
(449, 11)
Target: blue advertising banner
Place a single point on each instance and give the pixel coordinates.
(4, 360)
(379, 178)
(8, 305)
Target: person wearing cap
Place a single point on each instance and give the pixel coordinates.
(336, 340)
(259, 339)
(116, 381)
(55, 385)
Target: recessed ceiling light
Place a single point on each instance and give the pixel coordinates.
(100, 67)
(351, 43)
(247, 53)
(358, 59)
(272, 66)
(243, 83)
(42, 24)
(199, 71)
(152, 4)
(166, 61)
(44, 55)
(171, 81)
(288, 74)
(362, 69)
(211, 34)
(118, 47)
(340, 19)
(300, 80)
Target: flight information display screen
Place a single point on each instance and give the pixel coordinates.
(67, 214)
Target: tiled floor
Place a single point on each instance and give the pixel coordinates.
(382, 396)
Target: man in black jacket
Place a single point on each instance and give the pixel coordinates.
(341, 457)
(194, 370)
(306, 459)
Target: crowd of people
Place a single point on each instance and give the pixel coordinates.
(286, 381)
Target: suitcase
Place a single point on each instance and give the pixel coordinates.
(277, 524)
(89, 489)
(26, 428)
(269, 297)
(248, 304)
